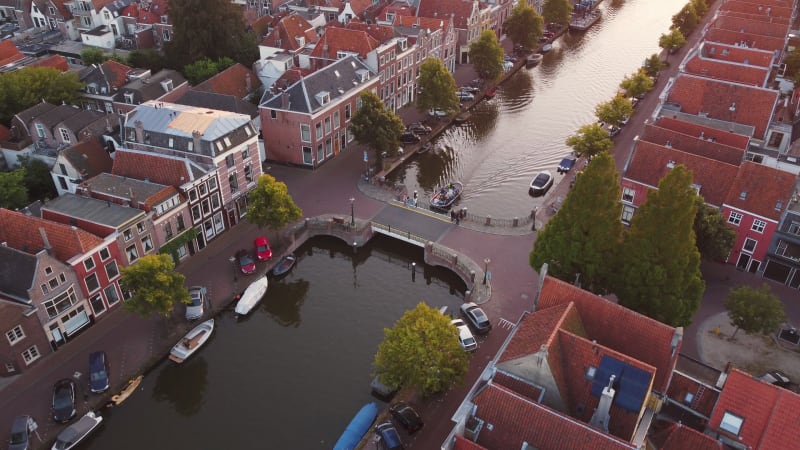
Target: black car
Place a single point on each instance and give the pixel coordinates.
(476, 317)
(419, 129)
(98, 372)
(64, 400)
(409, 138)
(406, 416)
(777, 378)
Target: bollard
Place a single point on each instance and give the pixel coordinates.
(307, 221)
(488, 221)
(516, 221)
(472, 276)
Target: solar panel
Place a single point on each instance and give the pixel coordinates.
(630, 383)
(608, 366)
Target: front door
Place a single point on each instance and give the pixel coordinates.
(754, 265)
(744, 260)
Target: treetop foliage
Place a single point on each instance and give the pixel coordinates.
(524, 26)
(270, 204)
(377, 127)
(755, 310)
(21, 89)
(438, 87)
(486, 56)
(590, 140)
(155, 286)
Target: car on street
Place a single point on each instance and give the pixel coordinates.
(777, 378)
(437, 113)
(246, 264)
(63, 407)
(465, 337)
(407, 417)
(566, 165)
(465, 96)
(21, 430)
(624, 121)
(196, 308)
(476, 317)
(409, 138)
(541, 183)
(389, 438)
(613, 130)
(263, 250)
(98, 372)
(419, 129)
(471, 89)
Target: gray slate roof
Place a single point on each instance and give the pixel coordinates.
(149, 88)
(17, 272)
(221, 102)
(84, 118)
(123, 187)
(93, 210)
(34, 111)
(338, 79)
(60, 114)
(179, 120)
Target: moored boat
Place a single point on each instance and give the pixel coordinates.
(583, 21)
(490, 93)
(127, 390)
(533, 60)
(447, 195)
(192, 341)
(541, 183)
(284, 265)
(357, 427)
(252, 295)
(546, 48)
(77, 432)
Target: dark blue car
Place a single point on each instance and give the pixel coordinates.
(566, 165)
(63, 400)
(98, 372)
(390, 439)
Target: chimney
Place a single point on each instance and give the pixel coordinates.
(248, 83)
(45, 241)
(671, 164)
(139, 131)
(601, 415)
(284, 100)
(196, 141)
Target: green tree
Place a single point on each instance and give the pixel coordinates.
(93, 55)
(209, 29)
(270, 204)
(557, 11)
(661, 275)
(700, 7)
(13, 194)
(637, 84)
(422, 351)
(438, 87)
(147, 59)
(585, 235)
(155, 285)
(38, 181)
(590, 140)
(524, 26)
(21, 89)
(685, 20)
(754, 310)
(714, 237)
(377, 127)
(672, 41)
(653, 65)
(615, 110)
(486, 56)
(200, 71)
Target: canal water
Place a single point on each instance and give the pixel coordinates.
(293, 373)
(522, 130)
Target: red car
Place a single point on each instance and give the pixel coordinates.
(246, 263)
(263, 252)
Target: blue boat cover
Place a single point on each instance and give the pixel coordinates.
(358, 427)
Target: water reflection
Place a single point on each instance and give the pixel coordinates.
(183, 385)
(284, 300)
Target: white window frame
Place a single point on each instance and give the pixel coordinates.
(97, 282)
(731, 423)
(88, 263)
(744, 245)
(627, 213)
(305, 132)
(116, 269)
(735, 218)
(758, 226)
(15, 334)
(31, 354)
(628, 194)
(64, 135)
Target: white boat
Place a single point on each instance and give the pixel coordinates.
(75, 433)
(252, 295)
(192, 341)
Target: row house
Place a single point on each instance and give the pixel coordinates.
(280, 49)
(577, 371)
(165, 86)
(79, 162)
(307, 123)
(730, 63)
(54, 15)
(432, 37)
(55, 265)
(98, 22)
(783, 257)
(469, 19)
(146, 24)
(16, 11)
(237, 80)
(101, 83)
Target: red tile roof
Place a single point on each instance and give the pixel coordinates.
(650, 163)
(290, 32)
(767, 190)
(518, 385)
(399, 9)
(693, 144)
(5, 133)
(380, 33)
(360, 6)
(731, 139)
(762, 26)
(757, 9)
(539, 329)
(9, 52)
(425, 23)
(769, 412)
(617, 327)
(752, 106)
(736, 54)
(237, 80)
(462, 443)
(752, 40)
(459, 9)
(57, 62)
(516, 420)
(338, 39)
(21, 232)
(149, 166)
(728, 71)
(149, 13)
(680, 437)
(115, 73)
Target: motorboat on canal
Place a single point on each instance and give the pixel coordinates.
(533, 60)
(357, 427)
(192, 341)
(77, 432)
(447, 195)
(252, 295)
(284, 265)
(541, 183)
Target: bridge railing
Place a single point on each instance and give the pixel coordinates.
(406, 234)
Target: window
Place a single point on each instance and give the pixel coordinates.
(273, 114)
(10, 368)
(628, 194)
(132, 253)
(30, 355)
(129, 98)
(165, 34)
(328, 125)
(775, 139)
(40, 130)
(215, 203)
(60, 303)
(758, 226)
(92, 284)
(320, 154)
(64, 135)
(206, 205)
(88, 264)
(318, 127)
(328, 147)
(193, 195)
(140, 227)
(347, 112)
(171, 143)
(209, 229)
(233, 182)
(15, 335)
(212, 184)
(106, 15)
(105, 254)
(749, 245)
(45, 290)
(168, 230)
(147, 244)
(248, 173)
(305, 133)
(307, 157)
(196, 215)
(229, 162)
(794, 228)
(627, 213)
(97, 304)
(48, 270)
(127, 234)
(731, 423)
(62, 277)
(181, 251)
(181, 225)
(112, 270)
(735, 218)
(112, 296)
(245, 153)
(218, 223)
(53, 283)
(336, 119)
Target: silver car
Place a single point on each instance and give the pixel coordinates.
(21, 431)
(196, 308)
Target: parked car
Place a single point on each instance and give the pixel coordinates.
(263, 251)
(566, 165)
(98, 372)
(465, 96)
(624, 121)
(407, 417)
(634, 101)
(476, 317)
(246, 264)
(409, 138)
(471, 89)
(389, 438)
(613, 130)
(465, 337)
(419, 129)
(64, 400)
(437, 113)
(196, 308)
(777, 378)
(21, 430)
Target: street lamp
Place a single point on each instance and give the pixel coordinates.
(352, 213)
(486, 269)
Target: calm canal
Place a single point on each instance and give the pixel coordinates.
(522, 130)
(293, 373)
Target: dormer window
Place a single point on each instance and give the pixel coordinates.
(129, 98)
(402, 44)
(301, 40)
(167, 85)
(164, 19)
(743, 195)
(91, 88)
(731, 423)
(323, 97)
(362, 75)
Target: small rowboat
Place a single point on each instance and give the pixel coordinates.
(252, 295)
(127, 390)
(284, 265)
(192, 341)
(447, 195)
